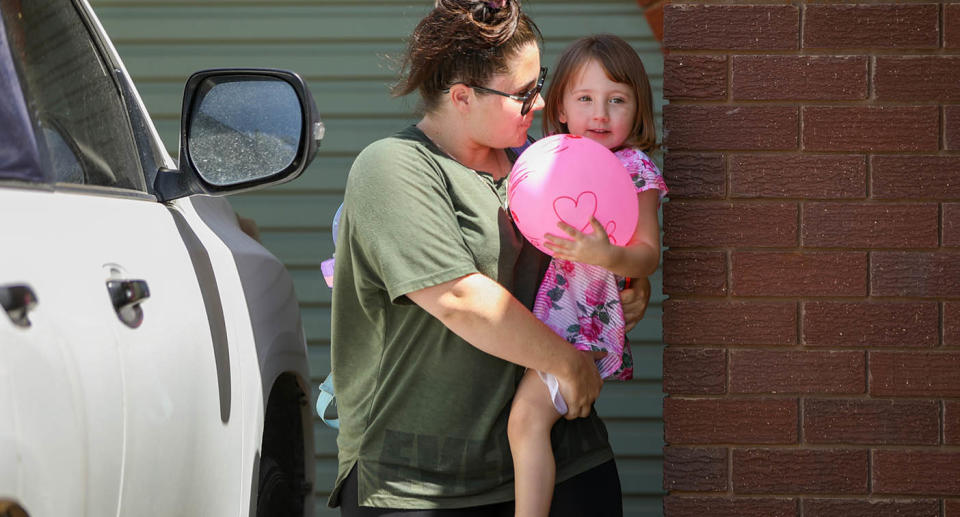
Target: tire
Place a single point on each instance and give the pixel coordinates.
(282, 485)
(280, 492)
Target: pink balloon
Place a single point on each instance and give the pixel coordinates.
(570, 178)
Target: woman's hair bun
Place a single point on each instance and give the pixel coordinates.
(494, 20)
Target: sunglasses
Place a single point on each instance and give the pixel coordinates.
(527, 99)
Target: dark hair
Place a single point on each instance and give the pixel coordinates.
(622, 65)
(463, 41)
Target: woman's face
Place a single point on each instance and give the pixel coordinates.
(498, 122)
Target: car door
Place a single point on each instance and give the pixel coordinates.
(61, 442)
(111, 257)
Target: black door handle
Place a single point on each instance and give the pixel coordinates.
(18, 300)
(126, 296)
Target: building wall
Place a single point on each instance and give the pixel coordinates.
(344, 49)
(813, 324)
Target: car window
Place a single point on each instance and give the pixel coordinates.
(84, 131)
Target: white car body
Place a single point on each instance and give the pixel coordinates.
(167, 418)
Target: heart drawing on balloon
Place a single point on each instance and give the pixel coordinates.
(576, 212)
(611, 227)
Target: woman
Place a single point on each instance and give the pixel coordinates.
(431, 329)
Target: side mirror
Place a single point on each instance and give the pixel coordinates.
(241, 129)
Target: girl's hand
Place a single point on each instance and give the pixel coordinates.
(594, 248)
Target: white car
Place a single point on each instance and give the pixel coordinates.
(152, 358)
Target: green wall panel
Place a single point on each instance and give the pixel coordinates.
(346, 50)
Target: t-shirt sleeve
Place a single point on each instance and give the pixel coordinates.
(643, 171)
(401, 221)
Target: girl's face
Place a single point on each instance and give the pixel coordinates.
(499, 124)
(598, 108)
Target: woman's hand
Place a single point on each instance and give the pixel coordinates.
(634, 300)
(594, 248)
(582, 386)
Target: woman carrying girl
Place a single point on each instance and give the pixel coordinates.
(431, 320)
(599, 91)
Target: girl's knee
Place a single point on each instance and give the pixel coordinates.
(530, 419)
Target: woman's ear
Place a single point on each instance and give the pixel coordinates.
(461, 96)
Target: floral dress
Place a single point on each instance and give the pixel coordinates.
(581, 302)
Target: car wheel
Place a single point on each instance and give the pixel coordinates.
(282, 484)
(280, 492)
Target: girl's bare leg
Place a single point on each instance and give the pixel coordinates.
(528, 429)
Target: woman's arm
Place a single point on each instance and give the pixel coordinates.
(487, 316)
(639, 258)
(634, 300)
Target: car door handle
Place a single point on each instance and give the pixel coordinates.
(126, 297)
(18, 300)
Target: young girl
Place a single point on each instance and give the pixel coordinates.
(599, 91)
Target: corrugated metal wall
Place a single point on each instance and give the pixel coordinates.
(343, 49)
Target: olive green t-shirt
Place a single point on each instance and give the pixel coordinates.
(423, 414)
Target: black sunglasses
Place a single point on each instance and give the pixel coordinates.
(528, 99)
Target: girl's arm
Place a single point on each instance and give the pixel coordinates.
(639, 258)
(487, 316)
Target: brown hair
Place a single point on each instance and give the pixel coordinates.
(463, 41)
(622, 65)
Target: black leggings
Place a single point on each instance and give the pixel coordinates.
(595, 492)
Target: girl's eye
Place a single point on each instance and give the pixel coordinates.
(618, 100)
(584, 98)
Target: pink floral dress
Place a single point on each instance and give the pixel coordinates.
(581, 302)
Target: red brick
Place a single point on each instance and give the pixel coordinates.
(951, 27)
(894, 324)
(716, 421)
(701, 322)
(871, 508)
(694, 175)
(871, 128)
(915, 177)
(799, 77)
(808, 176)
(687, 224)
(676, 506)
(800, 471)
(723, 127)
(951, 225)
(780, 371)
(871, 422)
(870, 225)
(951, 507)
(951, 422)
(921, 472)
(915, 374)
(694, 77)
(764, 273)
(917, 78)
(694, 470)
(927, 275)
(951, 129)
(694, 371)
(951, 323)
(731, 27)
(695, 272)
(872, 26)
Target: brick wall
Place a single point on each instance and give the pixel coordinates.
(813, 270)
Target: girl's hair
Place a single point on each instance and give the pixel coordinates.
(463, 41)
(622, 65)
